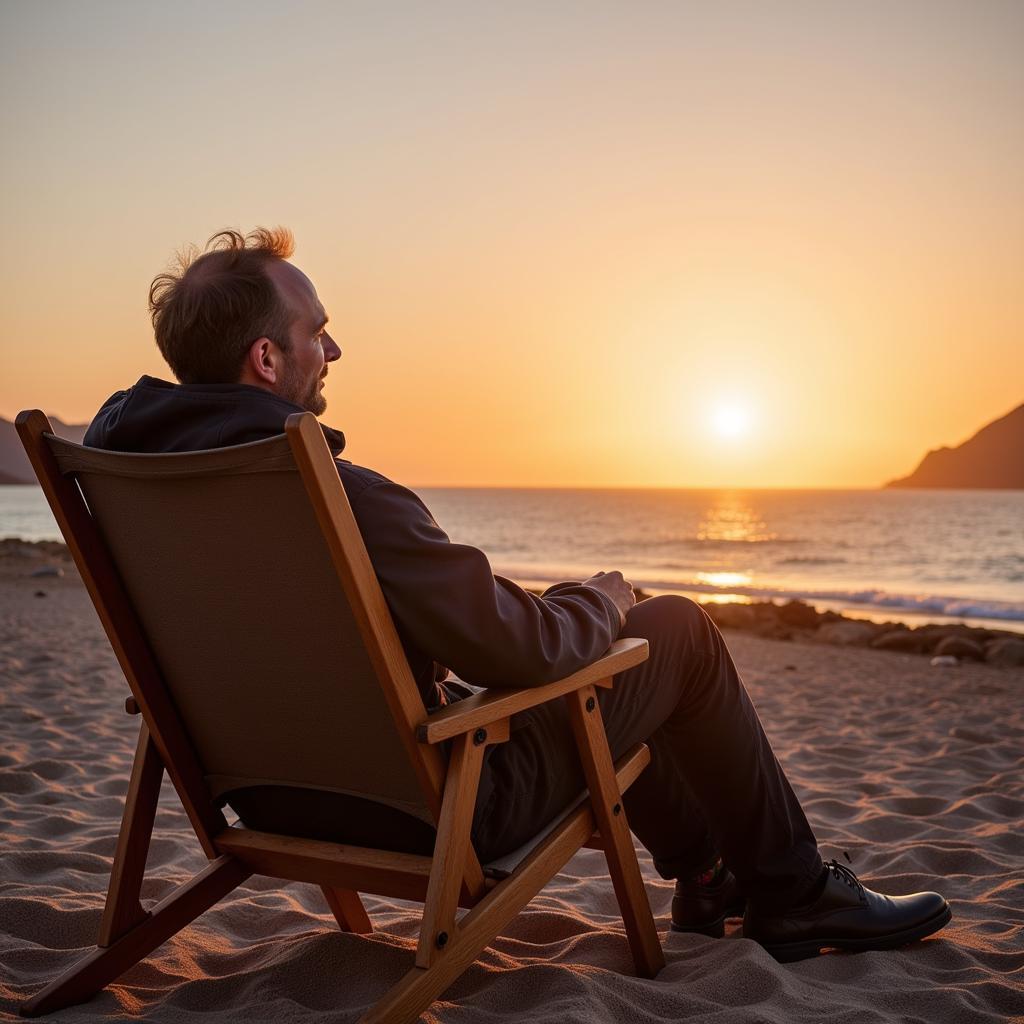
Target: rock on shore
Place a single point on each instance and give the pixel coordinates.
(797, 620)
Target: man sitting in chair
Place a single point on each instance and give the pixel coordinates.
(246, 336)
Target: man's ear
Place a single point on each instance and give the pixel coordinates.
(263, 364)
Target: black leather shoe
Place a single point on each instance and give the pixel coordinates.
(703, 908)
(846, 916)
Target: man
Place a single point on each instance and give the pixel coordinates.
(246, 336)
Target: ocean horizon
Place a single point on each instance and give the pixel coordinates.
(911, 556)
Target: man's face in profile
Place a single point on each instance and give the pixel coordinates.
(311, 348)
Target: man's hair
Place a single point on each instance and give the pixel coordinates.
(212, 305)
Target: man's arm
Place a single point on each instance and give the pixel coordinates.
(448, 602)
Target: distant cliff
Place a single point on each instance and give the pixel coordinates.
(14, 465)
(993, 458)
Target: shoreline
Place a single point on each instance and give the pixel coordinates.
(45, 561)
(956, 559)
(797, 620)
(882, 612)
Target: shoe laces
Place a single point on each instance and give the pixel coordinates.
(845, 874)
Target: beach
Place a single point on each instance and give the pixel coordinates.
(915, 771)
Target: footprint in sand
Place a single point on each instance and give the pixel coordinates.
(960, 733)
(920, 806)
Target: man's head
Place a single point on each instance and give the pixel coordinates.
(240, 313)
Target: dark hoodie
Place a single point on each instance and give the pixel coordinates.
(447, 604)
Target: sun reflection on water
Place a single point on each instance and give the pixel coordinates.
(724, 599)
(731, 518)
(725, 579)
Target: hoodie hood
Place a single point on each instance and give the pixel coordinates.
(158, 416)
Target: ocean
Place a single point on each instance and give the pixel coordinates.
(910, 556)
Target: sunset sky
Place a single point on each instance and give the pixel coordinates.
(672, 245)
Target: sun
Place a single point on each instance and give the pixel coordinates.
(730, 420)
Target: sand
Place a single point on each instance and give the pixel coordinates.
(915, 771)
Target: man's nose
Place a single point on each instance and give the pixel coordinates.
(331, 349)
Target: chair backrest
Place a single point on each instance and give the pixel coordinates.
(238, 582)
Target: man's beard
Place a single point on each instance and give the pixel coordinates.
(308, 396)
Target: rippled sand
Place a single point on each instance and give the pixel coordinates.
(917, 772)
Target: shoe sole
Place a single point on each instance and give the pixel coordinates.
(712, 929)
(788, 952)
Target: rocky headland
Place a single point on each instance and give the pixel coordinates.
(14, 464)
(992, 458)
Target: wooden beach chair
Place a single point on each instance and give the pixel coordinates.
(287, 669)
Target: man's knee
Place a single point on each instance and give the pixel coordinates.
(685, 648)
(670, 615)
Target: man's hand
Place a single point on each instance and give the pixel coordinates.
(612, 585)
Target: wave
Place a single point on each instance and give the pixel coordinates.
(934, 604)
(809, 560)
(869, 597)
(674, 543)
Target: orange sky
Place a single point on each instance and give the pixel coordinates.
(555, 241)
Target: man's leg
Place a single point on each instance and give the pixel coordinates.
(713, 784)
(712, 754)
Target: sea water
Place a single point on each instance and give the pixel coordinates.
(913, 556)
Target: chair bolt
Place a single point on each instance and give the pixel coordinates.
(442, 940)
(591, 703)
(616, 808)
(480, 736)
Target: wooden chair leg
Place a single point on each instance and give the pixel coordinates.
(123, 910)
(451, 847)
(348, 910)
(406, 1000)
(606, 800)
(103, 965)
(417, 989)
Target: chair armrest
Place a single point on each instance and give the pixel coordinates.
(482, 709)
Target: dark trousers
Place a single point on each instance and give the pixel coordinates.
(713, 787)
